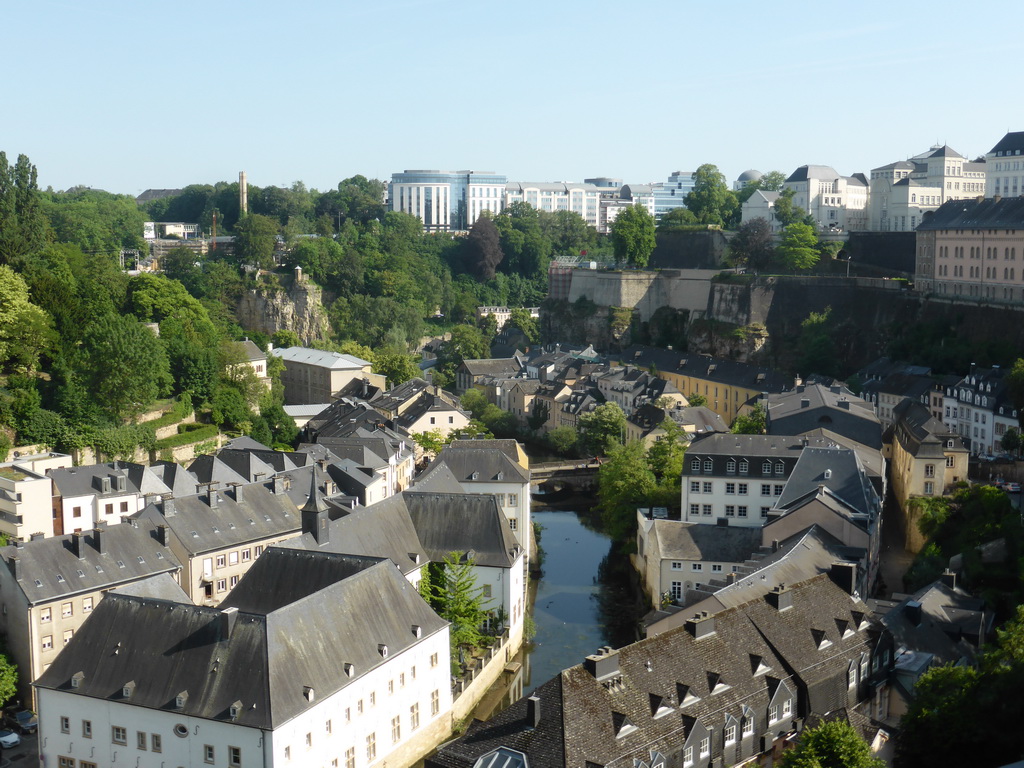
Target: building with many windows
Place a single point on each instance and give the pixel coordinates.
(979, 409)
(1005, 165)
(833, 201)
(447, 200)
(904, 191)
(582, 198)
(671, 194)
(968, 249)
(255, 682)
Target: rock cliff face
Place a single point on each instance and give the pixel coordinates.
(297, 306)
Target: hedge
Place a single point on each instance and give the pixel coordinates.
(186, 437)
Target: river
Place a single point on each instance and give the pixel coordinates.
(585, 599)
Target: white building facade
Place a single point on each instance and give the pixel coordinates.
(447, 200)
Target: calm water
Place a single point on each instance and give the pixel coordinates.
(583, 601)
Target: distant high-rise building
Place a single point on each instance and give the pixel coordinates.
(447, 200)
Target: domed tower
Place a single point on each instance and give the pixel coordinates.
(745, 178)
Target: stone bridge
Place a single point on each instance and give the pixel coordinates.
(551, 476)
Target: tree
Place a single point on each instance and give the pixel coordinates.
(666, 454)
(1011, 441)
(696, 400)
(8, 678)
(26, 331)
(677, 220)
(432, 442)
(753, 423)
(602, 429)
(798, 249)
(482, 250)
(562, 439)
(539, 416)
(395, 365)
(752, 245)
(521, 319)
(710, 200)
(255, 241)
(832, 744)
(632, 235)
(625, 481)
(466, 343)
(23, 227)
(452, 591)
(786, 213)
(125, 366)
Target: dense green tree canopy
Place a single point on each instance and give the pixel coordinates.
(711, 201)
(753, 246)
(832, 744)
(632, 235)
(255, 241)
(26, 331)
(602, 429)
(798, 249)
(23, 226)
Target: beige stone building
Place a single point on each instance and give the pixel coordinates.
(49, 587)
(316, 376)
(926, 459)
(217, 535)
(968, 249)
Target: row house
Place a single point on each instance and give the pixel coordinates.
(927, 458)
(219, 534)
(979, 408)
(252, 683)
(645, 423)
(318, 376)
(726, 385)
(471, 372)
(722, 689)
(968, 250)
(50, 586)
(631, 387)
(832, 200)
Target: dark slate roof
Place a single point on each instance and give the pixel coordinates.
(988, 213)
(708, 368)
(468, 523)
(899, 164)
(508, 366)
(920, 433)
(383, 529)
(211, 469)
(162, 587)
(806, 172)
(85, 481)
(261, 514)
(295, 638)
(1010, 143)
(437, 478)
(720, 448)
(342, 417)
(696, 541)
(584, 719)
(488, 464)
(49, 569)
(819, 407)
(180, 481)
(836, 469)
(946, 151)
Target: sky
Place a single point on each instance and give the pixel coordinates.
(125, 95)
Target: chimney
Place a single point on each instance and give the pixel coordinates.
(805, 402)
(211, 495)
(161, 534)
(228, 617)
(701, 625)
(243, 193)
(914, 612)
(533, 711)
(780, 598)
(278, 484)
(14, 563)
(37, 536)
(97, 536)
(949, 578)
(76, 544)
(844, 575)
(604, 664)
(168, 506)
(237, 493)
(844, 404)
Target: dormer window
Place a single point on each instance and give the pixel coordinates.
(181, 700)
(730, 467)
(235, 710)
(383, 650)
(308, 694)
(76, 679)
(128, 689)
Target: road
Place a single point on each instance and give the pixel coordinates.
(894, 559)
(25, 755)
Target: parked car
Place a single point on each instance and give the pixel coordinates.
(9, 738)
(21, 719)
(1013, 487)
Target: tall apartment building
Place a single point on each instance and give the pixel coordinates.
(1005, 166)
(968, 248)
(447, 200)
(902, 192)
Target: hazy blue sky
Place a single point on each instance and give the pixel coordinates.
(127, 95)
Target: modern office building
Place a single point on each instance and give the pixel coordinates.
(669, 195)
(1005, 166)
(584, 199)
(447, 200)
